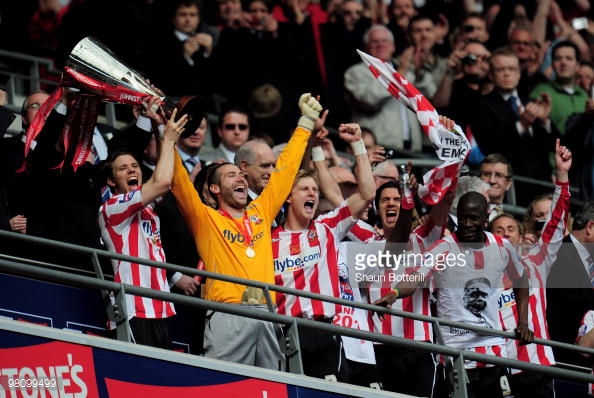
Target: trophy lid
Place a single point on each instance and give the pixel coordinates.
(195, 107)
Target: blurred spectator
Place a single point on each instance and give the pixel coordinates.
(474, 28)
(6, 117)
(522, 42)
(519, 130)
(535, 217)
(267, 109)
(179, 62)
(43, 27)
(497, 172)
(230, 14)
(505, 16)
(566, 96)
(565, 31)
(189, 149)
(384, 172)
(421, 59)
(459, 92)
(270, 48)
(585, 77)
(373, 106)
(579, 137)
(341, 39)
(256, 160)
(306, 17)
(400, 13)
(233, 130)
(17, 187)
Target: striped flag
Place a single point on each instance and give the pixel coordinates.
(451, 146)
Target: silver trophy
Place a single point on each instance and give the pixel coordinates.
(92, 69)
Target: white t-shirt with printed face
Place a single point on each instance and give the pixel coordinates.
(469, 282)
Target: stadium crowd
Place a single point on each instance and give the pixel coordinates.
(267, 194)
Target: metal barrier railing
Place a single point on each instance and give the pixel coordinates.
(17, 88)
(15, 83)
(49, 272)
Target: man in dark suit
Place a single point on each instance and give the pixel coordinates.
(569, 292)
(189, 149)
(519, 130)
(179, 62)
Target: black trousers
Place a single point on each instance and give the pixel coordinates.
(405, 371)
(153, 332)
(530, 384)
(488, 382)
(322, 354)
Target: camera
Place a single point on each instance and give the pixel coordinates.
(539, 225)
(579, 23)
(469, 59)
(390, 153)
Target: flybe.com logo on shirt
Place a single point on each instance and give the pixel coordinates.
(238, 237)
(294, 263)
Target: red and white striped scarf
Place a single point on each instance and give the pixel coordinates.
(451, 146)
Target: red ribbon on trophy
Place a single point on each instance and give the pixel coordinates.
(92, 74)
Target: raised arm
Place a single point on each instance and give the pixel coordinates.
(328, 185)
(160, 181)
(359, 201)
(544, 253)
(287, 165)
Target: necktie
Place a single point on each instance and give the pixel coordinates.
(513, 102)
(190, 164)
(591, 269)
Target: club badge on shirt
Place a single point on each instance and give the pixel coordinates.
(256, 220)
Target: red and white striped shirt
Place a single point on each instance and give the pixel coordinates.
(418, 303)
(538, 262)
(469, 285)
(128, 227)
(363, 233)
(308, 260)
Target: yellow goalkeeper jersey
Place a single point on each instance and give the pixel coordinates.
(220, 241)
